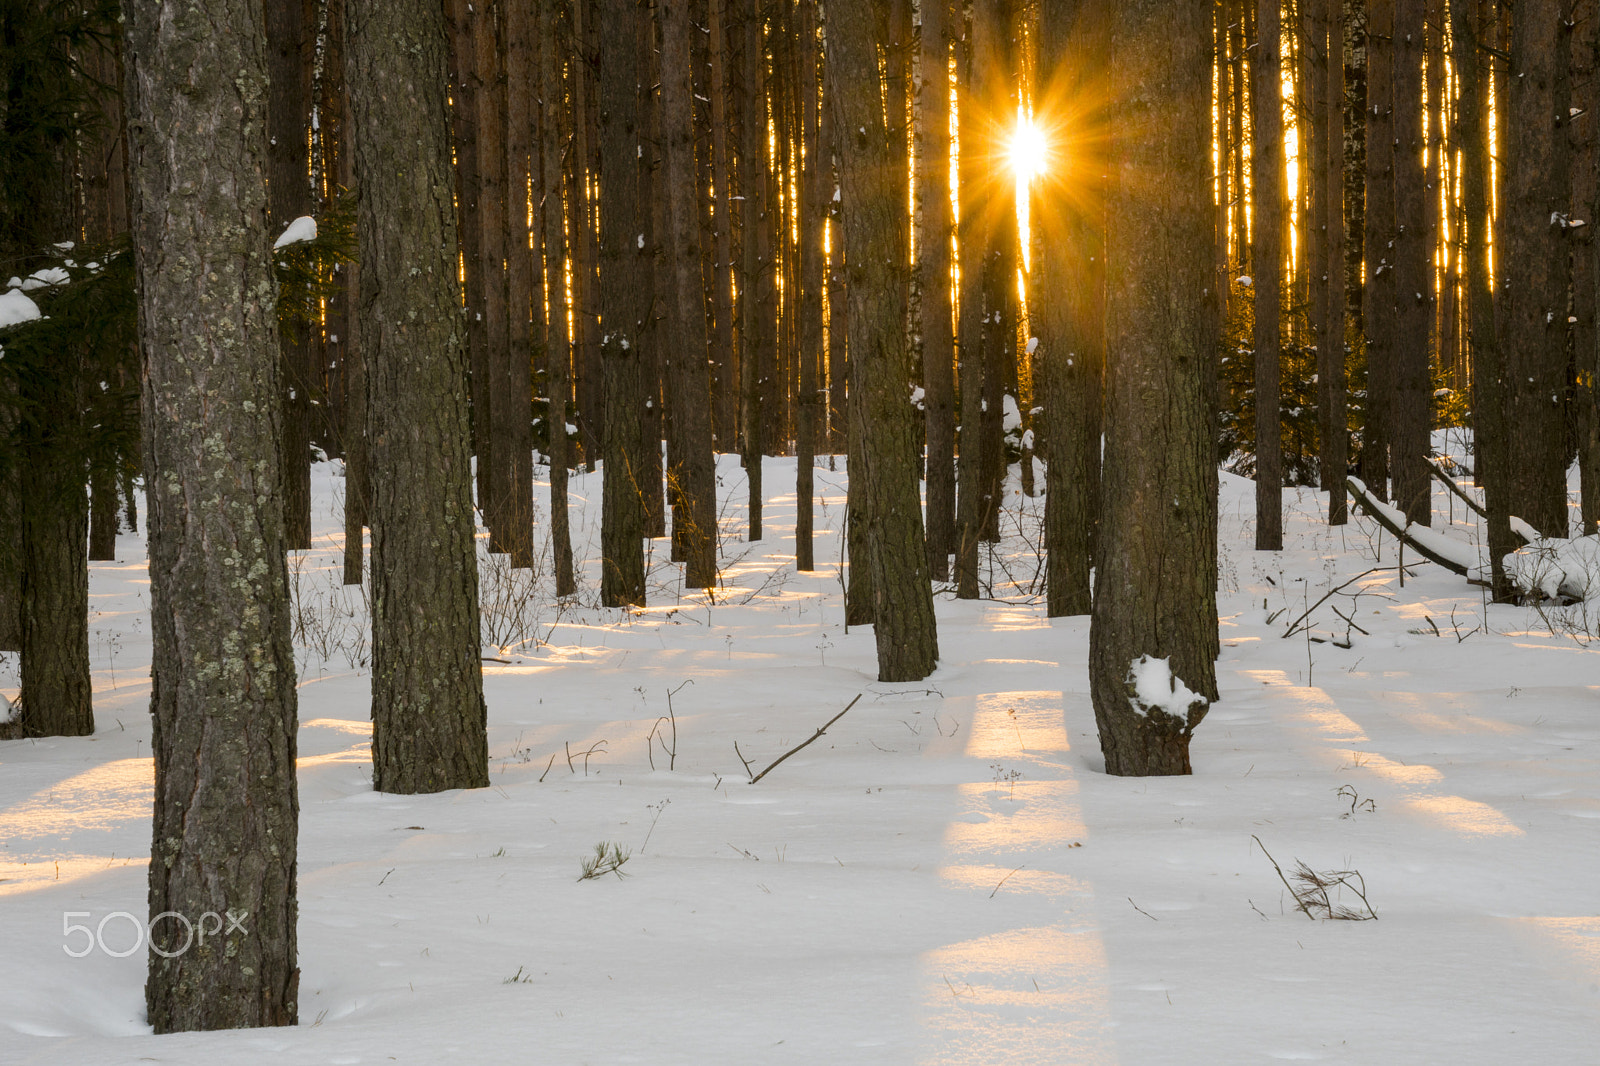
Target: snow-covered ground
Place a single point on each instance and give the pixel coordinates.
(947, 876)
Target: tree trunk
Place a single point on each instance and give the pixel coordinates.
(222, 667)
(343, 324)
(1413, 272)
(588, 383)
(624, 307)
(1532, 255)
(557, 352)
(1069, 270)
(1355, 174)
(1471, 133)
(428, 714)
(1154, 594)
(291, 38)
(104, 514)
(56, 691)
(513, 400)
(1585, 276)
(690, 461)
(464, 16)
(976, 240)
(652, 212)
(934, 305)
(1378, 309)
(755, 290)
(726, 387)
(496, 395)
(1266, 254)
(815, 192)
(1333, 430)
(872, 172)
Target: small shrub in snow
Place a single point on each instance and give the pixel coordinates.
(607, 859)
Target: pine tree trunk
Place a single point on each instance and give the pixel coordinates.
(1333, 428)
(976, 239)
(343, 324)
(934, 306)
(652, 212)
(557, 352)
(624, 307)
(428, 714)
(1266, 254)
(1378, 309)
(104, 513)
(291, 32)
(1355, 172)
(755, 331)
(499, 407)
(872, 171)
(995, 82)
(1532, 254)
(1586, 205)
(691, 466)
(222, 668)
(513, 414)
(56, 691)
(1471, 135)
(105, 204)
(1413, 272)
(1069, 270)
(726, 387)
(1155, 594)
(589, 388)
(810, 411)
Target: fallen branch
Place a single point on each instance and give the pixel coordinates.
(797, 747)
(1374, 509)
(1443, 477)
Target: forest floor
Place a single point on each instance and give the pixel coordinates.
(947, 876)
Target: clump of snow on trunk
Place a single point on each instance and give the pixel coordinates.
(1154, 688)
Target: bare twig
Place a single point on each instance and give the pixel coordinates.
(547, 766)
(1006, 878)
(1298, 901)
(1142, 911)
(1294, 626)
(803, 743)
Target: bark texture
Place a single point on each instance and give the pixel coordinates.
(1156, 591)
(428, 715)
(872, 179)
(223, 676)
